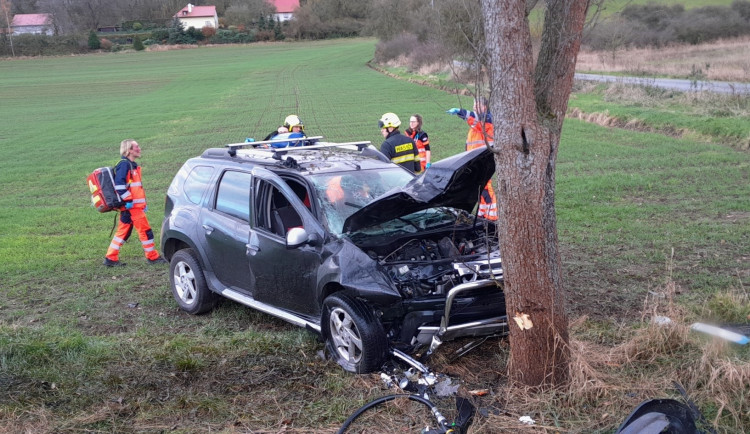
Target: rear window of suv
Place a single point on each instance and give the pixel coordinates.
(196, 183)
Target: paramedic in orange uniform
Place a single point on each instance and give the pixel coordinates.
(480, 130)
(133, 212)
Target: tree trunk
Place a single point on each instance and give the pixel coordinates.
(528, 107)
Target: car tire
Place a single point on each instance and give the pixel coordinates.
(189, 286)
(354, 336)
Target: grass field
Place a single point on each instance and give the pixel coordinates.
(648, 224)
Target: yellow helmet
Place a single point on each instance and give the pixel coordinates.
(389, 120)
(293, 121)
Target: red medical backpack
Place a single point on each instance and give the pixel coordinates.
(101, 183)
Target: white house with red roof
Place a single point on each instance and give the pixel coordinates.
(284, 9)
(198, 16)
(37, 24)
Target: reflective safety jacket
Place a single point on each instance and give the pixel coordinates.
(477, 135)
(128, 183)
(423, 144)
(476, 139)
(401, 150)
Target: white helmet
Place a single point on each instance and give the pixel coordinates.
(389, 120)
(293, 121)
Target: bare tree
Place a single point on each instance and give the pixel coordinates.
(528, 102)
(5, 6)
(248, 12)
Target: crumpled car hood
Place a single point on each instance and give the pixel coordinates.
(455, 182)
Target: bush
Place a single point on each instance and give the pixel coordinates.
(401, 45)
(137, 44)
(709, 23)
(742, 8)
(264, 35)
(208, 31)
(42, 45)
(137, 26)
(105, 44)
(412, 52)
(231, 37)
(194, 35)
(94, 43)
(160, 35)
(658, 25)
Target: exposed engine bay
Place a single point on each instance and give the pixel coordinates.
(436, 262)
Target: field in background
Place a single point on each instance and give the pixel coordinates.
(725, 60)
(614, 6)
(647, 223)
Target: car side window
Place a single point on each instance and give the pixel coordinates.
(275, 213)
(196, 183)
(233, 196)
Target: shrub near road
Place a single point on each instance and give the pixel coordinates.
(88, 348)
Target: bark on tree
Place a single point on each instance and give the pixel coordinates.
(528, 104)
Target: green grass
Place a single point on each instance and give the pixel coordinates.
(83, 347)
(724, 118)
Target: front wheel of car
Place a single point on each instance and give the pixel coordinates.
(189, 286)
(354, 336)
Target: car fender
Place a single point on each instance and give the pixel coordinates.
(349, 267)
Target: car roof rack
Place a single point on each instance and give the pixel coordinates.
(277, 153)
(233, 147)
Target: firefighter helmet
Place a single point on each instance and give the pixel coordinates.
(292, 121)
(389, 120)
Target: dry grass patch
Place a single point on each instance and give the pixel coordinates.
(609, 381)
(726, 60)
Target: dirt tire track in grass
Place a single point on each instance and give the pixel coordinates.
(278, 98)
(259, 120)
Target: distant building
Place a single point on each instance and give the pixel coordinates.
(198, 16)
(36, 24)
(284, 9)
(108, 29)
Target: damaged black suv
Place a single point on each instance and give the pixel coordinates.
(336, 238)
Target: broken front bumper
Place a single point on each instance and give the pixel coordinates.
(452, 327)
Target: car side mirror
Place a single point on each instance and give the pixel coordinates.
(296, 237)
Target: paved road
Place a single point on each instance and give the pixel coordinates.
(670, 83)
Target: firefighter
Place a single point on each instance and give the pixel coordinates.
(481, 132)
(292, 124)
(133, 212)
(293, 128)
(398, 147)
(420, 139)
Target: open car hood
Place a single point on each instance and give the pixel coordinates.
(455, 182)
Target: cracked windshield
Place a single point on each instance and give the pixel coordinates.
(341, 195)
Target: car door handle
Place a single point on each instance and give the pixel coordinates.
(208, 229)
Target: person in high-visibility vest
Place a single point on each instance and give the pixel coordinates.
(420, 139)
(129, 186)
(397, 147)
(481, 133)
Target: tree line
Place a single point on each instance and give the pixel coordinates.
(417, 31)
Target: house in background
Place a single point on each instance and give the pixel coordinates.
(198, 16)
(35, 24)
(284, 9)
